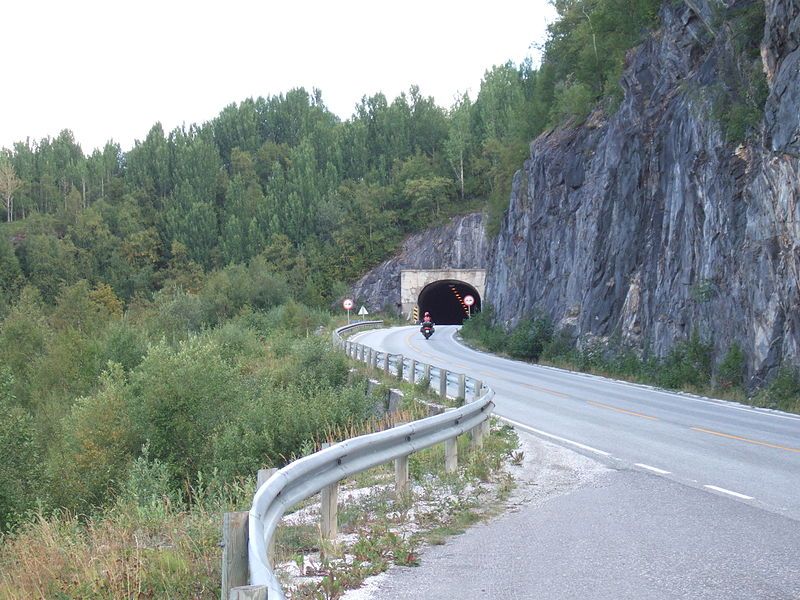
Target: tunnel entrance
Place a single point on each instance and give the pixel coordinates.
(445, 301)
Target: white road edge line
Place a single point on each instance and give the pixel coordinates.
(724, 491)
(653, 469)
(553, 437)
(765, 412)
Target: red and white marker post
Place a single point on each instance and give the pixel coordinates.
(469, 301)
(348, 306)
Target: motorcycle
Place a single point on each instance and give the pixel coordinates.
(427, 330)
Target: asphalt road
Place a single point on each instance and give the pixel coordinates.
(720, 448)
(627, 535)
(702, 498)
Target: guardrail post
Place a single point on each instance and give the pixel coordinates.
(400, 366)
(235, 537)
(443, 382)
(401, 475)
(386, 362)
(375, 359)
(249, 592)
(426, 373)
(451, 455)
(329, 505)
(462, 388)
(476, 437)
(412, 375)
(363, 353)
(478, 389)
(369, 357)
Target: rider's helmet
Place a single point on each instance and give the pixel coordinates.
(427, 314)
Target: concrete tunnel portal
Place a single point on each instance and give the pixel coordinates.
(441, 292)
(445, 301)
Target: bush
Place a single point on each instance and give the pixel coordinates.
(481, 329)
(783, 393)
(730, 373)
(179, 398)
(19, 467)
(573, 100)
(688, 364)
(529, 338)
(90, 455)
(560, 347)
(177, 314)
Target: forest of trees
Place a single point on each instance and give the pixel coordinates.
(205, 254)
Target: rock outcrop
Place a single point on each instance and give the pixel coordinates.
(461, 244)
(648, 224)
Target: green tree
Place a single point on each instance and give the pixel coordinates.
(19, 469)
(458, 142)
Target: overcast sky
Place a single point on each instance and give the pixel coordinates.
(108, 69)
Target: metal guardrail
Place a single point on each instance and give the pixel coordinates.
(307, 476)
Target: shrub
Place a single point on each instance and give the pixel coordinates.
(687, 364)
(177, 314)
(89, 457)
(124, 344)
(19, 470)
(783, 393)
(481, 329)
(529, 338)
(560, 347)
(730, 373)
(179, 398)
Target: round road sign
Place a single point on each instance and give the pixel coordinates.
(347, 304)
(469, 300)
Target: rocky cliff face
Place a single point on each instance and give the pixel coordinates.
(461, 244)
(648, 224)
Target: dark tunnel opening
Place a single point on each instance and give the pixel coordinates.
(445, 301)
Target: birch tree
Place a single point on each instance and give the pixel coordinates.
(9, 184)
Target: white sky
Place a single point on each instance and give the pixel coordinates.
(108, 69)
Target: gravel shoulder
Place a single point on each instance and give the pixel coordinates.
(546, 472)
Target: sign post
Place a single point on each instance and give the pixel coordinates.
(469, 301)
(348, 306)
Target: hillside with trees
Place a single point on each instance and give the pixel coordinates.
(158, 306)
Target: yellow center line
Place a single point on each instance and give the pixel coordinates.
(743, 439)
(621, 410)
(545, 390)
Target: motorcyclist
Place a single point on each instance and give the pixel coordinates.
(427, 326)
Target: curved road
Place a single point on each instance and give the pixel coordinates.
(722, 448)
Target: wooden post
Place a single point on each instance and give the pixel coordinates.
(375, 360)
(369, 357)
(263, 476)
(400, 367)
(462, 388)
(329, 505)
(249, 592)
(386, 362)
(476, 438)
(412, 376)
(426, 373)
(401, 475)
(451, 455)
(478, 389)
(235, 537)
(443, 383)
